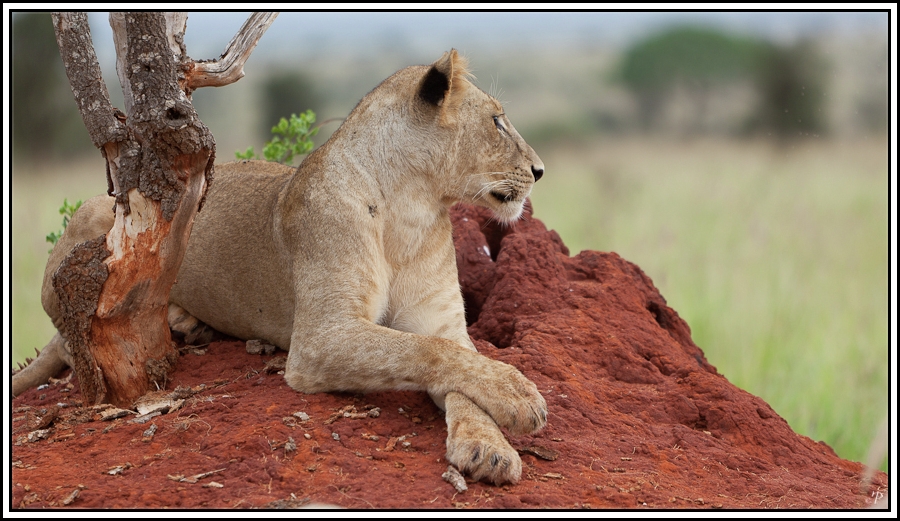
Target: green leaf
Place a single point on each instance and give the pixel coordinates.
(67, 211)
(247, 154)
(290, 138)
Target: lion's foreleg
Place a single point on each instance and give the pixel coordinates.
(362, 356)
(475, 444)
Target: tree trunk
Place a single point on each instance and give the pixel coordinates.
(114, 290)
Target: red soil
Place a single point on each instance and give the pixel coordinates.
(638, 417)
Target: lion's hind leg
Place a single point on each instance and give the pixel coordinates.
(54, 357)
(50, 361)
(188, 326)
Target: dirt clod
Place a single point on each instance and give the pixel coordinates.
(68, 500)
(456, 479)
(147, 435)
(259, 347)
(541, 452)
(275, 365)
(118, 469)
(114, 413)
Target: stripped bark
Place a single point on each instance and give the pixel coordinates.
(114, 291)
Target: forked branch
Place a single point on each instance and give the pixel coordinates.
(73, 34)
(113, 291)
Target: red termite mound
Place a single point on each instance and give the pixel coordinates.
(638, 417)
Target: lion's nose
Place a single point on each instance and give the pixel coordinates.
(537, 172)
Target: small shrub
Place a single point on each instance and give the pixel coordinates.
(290, 138)
(67, 211)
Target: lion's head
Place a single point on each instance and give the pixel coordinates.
(454, 134)
(494, 167)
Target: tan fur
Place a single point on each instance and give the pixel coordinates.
(348, 262)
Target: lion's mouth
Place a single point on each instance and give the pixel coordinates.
(503, 198)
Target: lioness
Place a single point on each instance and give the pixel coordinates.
(347, 262)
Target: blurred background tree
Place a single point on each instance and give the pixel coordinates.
(691, 65)
(45, 122)
(695, 59)
(284, 92)
(791, 83)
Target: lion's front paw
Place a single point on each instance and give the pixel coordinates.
(489, 458)
(476, 446)
(512, 400)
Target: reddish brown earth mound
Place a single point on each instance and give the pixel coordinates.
(638, 417)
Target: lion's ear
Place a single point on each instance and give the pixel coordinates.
(444, 80)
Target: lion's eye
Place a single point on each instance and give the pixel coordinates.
(498, 123)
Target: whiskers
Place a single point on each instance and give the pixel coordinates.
(495, 91)
(505, 196)
(487, 187)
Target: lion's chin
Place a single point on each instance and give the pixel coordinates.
(506, 207)
(509, 211)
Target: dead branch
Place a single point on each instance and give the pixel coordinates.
(73, 35)
(230, 66)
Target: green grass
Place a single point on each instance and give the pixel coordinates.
(37, 194)
(776, 258)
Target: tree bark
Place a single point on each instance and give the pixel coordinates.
(114, 290)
